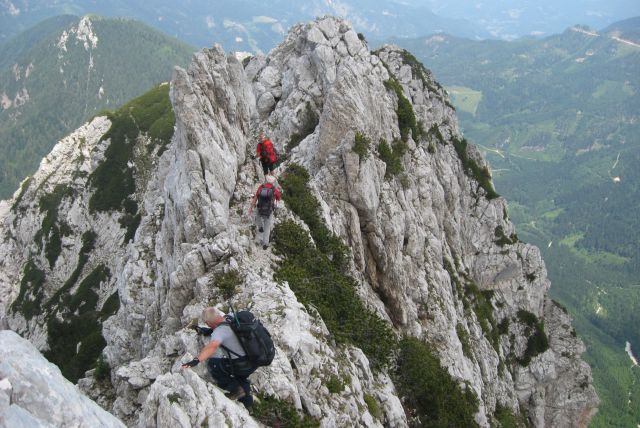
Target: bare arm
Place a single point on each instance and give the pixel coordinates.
(208, 350)
(205, 354)
(253, 203)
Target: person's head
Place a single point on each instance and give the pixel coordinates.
(212, 316)
(270, 178)
(261, 136)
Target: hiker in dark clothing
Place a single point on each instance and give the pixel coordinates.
(226, 359)
(266, 153)
(265, 199)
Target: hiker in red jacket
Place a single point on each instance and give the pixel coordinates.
(266, 153)
(265, 199)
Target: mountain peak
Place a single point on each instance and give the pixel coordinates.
(392, 241)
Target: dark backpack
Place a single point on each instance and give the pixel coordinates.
(253, 336)
(265, 201)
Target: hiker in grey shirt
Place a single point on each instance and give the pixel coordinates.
(226, 360)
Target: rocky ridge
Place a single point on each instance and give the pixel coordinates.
(432, 248)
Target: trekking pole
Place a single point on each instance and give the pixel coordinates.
(233, 311)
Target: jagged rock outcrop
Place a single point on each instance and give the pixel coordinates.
(33, 392)
(433, 251)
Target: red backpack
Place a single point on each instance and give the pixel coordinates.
(267, 151)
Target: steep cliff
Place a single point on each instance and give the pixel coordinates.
(432, 255)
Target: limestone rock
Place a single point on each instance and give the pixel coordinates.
(33, 392)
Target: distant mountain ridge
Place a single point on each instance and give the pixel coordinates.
(250, 25)
(66, 69)
(628, 29)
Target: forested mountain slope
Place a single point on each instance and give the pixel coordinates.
(60, 73)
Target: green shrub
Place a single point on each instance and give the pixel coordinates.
(503, 327)
(309, 123)
(406, 116)
(334, 384)
(50, 232)
(79, 326)
(110, 306)
(319, 282)
(392, 156)
(361, 145)
(23, 188)
(228, 283)
(273, 412)
(481, 303)
(64, 337)
(464, 339)
(301, 201)
(477, 300)
(85, 298)
(316, 273)
(102, 369)
(538, 342)
(29, 300)
(361, 37)
(373, 406)
(471, 168)
(88, 244)
(174, 398)
(507, 419)
(431, 397)
(503, 239)
(434, 132)
(131, 223)
(527, 318)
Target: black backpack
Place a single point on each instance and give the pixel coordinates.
(265, 201)
(253, 336)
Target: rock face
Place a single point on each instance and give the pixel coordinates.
(432, 248)
(33, 392)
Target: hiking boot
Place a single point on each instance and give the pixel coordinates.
(265, 246)
(261, 229)
(237, 394)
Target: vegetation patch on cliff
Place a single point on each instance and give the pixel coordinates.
(51, 231)
(406, 117)
(29, 300)
(320, 283)
(538, 341)
(88, 244)
(392, 156)
(113, 179)
(506, 418)
(273, 412)
(431, 397)
(478, 301)
(309, 122)
(228, 283)
(361, 145)
(503, 239)
(471, 168)
(75, 341)
(301, 201)
(316, 274)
